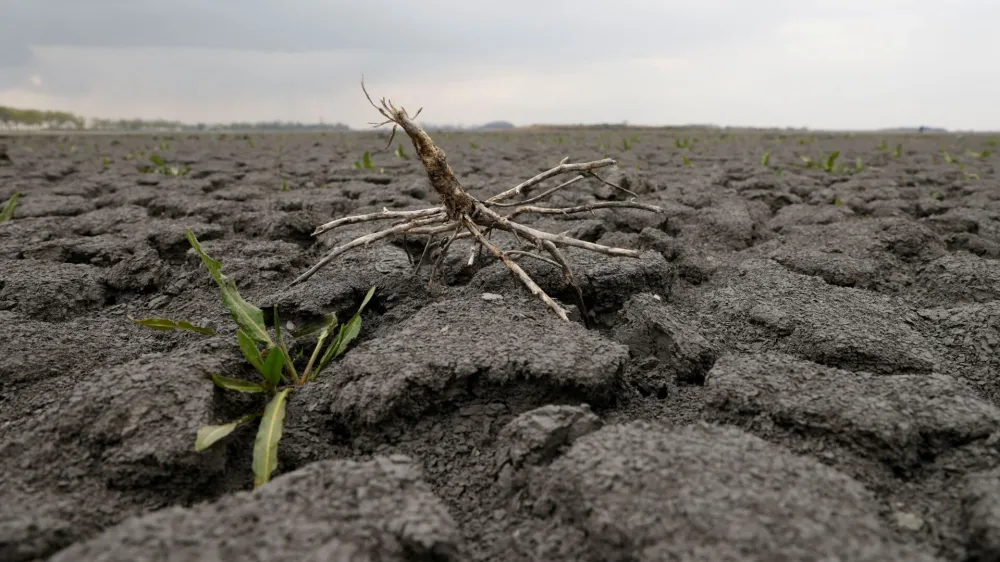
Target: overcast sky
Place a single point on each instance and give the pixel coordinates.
(843, 64)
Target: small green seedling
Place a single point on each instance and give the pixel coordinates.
(883, 146)
(766, 158)
(626, 145)
(859, 165)
(686, 160)
(827, 163)
(284, 184)
(106, 162)
(7, 211)
(160, 167)
(830, 162)
(273, 363)
(899, 151)
(402, 154)
(366, 162)
(473, 145)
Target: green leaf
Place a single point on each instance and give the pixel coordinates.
(265, 446)
(764, 160)
(166, 325)
(831, 159)
(348, 332)
(209, 434)
(247, 316)
(250, 351)
(366, 161)
(273, 364)
(238, 385)
(157, 159)
(7, 212)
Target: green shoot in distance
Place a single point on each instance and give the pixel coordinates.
(7, 211)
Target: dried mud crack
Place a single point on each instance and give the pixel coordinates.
(794, 365)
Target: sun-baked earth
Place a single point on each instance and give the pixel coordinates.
(800, 366)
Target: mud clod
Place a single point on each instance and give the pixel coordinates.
(653, 329)
(330, 510)
(902, 420)
(449, 351)
(703, 492)
(765, 306)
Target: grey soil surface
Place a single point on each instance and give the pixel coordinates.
(799, 366)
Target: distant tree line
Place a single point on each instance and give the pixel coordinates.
(13, 118)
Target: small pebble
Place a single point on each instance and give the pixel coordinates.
(908, 521)
(492, 297)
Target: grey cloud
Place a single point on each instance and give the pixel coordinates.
(475, 29)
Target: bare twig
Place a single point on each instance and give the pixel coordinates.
(364, 240)
(582, 208)
(611, 185)
(443, 252)
(465, 217)
(384, 214)
(516, 253)
(562, 168)
(528, 281)
(540, 196)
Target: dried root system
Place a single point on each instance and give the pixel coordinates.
(462, 216)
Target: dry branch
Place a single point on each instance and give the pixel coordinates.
(465, 217)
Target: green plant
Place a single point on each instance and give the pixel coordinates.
(899, 151)
(366, 162)
(859, 165)
(883, 146)
(273, 363)
(7, 211)
(160, 167)
(473, 145)
(626, 145)
(766, 158)
(827, 163)
(686, 160)
(401, 153)
(284, 184)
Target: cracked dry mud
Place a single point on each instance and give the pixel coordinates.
(800, 366)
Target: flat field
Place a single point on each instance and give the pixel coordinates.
(802, 364)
